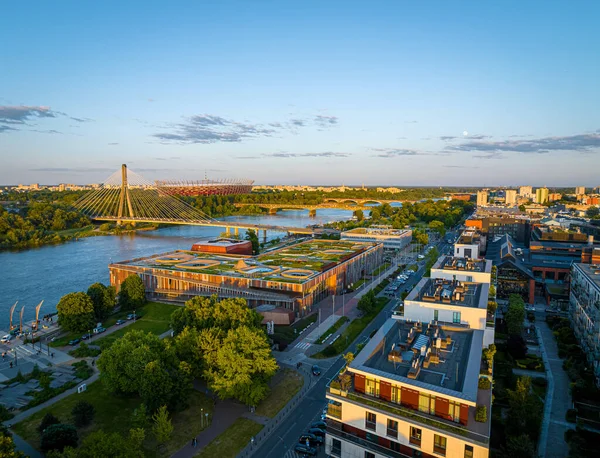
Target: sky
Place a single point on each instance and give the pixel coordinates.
(302, 92)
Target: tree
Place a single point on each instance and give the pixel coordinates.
(359, 214)
(7, 445)
(420, 236)
(525, 410)
(132, 293)
(368, 303)
(83, 413)
(438, 226)
(109, 445)
(253, 237)
(592, 212)
(48, 420)
(489, 353)
(57, 437)
(492, 306)
(76, 312)
(139, 418)
(239, 365)
(518, 447)
(375, 214)
(515, 314)
(516, 346)
(349, 357)
(522, 208)
(103, 299)
(162, 428)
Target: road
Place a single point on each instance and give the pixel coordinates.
(285, 437)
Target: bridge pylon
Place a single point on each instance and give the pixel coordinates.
(124, 197)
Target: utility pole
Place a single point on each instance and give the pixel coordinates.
(333, 306)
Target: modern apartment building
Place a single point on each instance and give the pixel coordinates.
(584, 308)
(541, 195)
(470, 244)
(511, 197)
(526, 191)
(392, 239)
(462, 269)
(482, 198)
(579, 190)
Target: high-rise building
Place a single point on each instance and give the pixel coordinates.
(541, 195)
(554, 196)
(482, 198)
(413, 389)
(579, 190)
(511, 197)
(526, 191)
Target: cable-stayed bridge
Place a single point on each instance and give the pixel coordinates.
(127, 197)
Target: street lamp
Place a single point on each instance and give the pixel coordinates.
(202, 418)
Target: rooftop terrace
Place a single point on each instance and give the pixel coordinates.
(462, 264)
(469, 236)
(442, 358)
(293, 264)
(591, 271)
(450, 292)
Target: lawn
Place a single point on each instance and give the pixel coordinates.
(113, 414)
(233, 440)
(285, 389)
(381, 269)
(155, 318)
(337, 325)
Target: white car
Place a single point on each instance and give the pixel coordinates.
(6, 338)
(420, 256)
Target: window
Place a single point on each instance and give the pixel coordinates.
(415, 436)
(371, 421)
(439, 444)
(469, 278)
(372, 387)
(336, 447)
(454, 411)
(395, 446)
(369, 455)
(468, 451)
(392, 428)
(456, 317)
(426, 403)
(435, 315)
(396, 394)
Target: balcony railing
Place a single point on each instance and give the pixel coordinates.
(365, 443)
(429, 420)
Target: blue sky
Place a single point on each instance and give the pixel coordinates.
(397, 93)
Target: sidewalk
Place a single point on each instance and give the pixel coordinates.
(558, 398)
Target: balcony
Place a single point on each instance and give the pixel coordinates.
(419, 417)
(337, 432)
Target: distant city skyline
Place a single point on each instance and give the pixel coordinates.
(384, 93)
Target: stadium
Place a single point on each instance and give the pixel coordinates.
(205, 187)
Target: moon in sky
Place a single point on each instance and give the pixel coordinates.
(465, 133)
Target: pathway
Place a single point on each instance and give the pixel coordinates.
(528, 373)
(558, 398)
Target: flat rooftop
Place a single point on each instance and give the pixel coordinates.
(449, 292)
(442, 358)
(297, 263)
(454, 263)
(592, 271)
(377, 231)
(468, 237)
(224, 242)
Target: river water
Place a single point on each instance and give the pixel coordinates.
(49, 272)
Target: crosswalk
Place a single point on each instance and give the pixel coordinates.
(302, 345)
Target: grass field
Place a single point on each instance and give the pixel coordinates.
(155, 318)
(286, 333)
(232, 441)
(113, 414)
(284, 390)
(337, 325)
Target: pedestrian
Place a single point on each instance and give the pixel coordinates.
(11, 364)
(52, 355)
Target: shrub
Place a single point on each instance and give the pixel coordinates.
(59, 436)
(82, 370)
(5, 414)
(48, 420)
(484, 383)
(84, 351)
(481, 414)
(83, 413)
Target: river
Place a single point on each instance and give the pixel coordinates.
(47, 273)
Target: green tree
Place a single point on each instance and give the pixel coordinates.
(592, 212)
(520, 446)
(132, 293)
(139, 418)
(525, 410)
(162, 427)
(7, 445)
(108, 445)
(239, 365)
(76, 312)
(253, 237)
(367, 303)
(57, 437)
(83, 413)
(515, 314)
(103, 299)
(349, 357)
(438, 226)
(420, 236)
(522, 208)
(47, 420)
(375, 214)
(360, 216)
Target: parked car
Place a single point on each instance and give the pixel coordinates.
(99, 330)
(420, 256)
(319, 424)
(302, 448)
(74, 341)
(86, 336)
(6, 339)
(317, 432)
(131, 315)
(312, 439)
(316, 370)
(120, 321)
